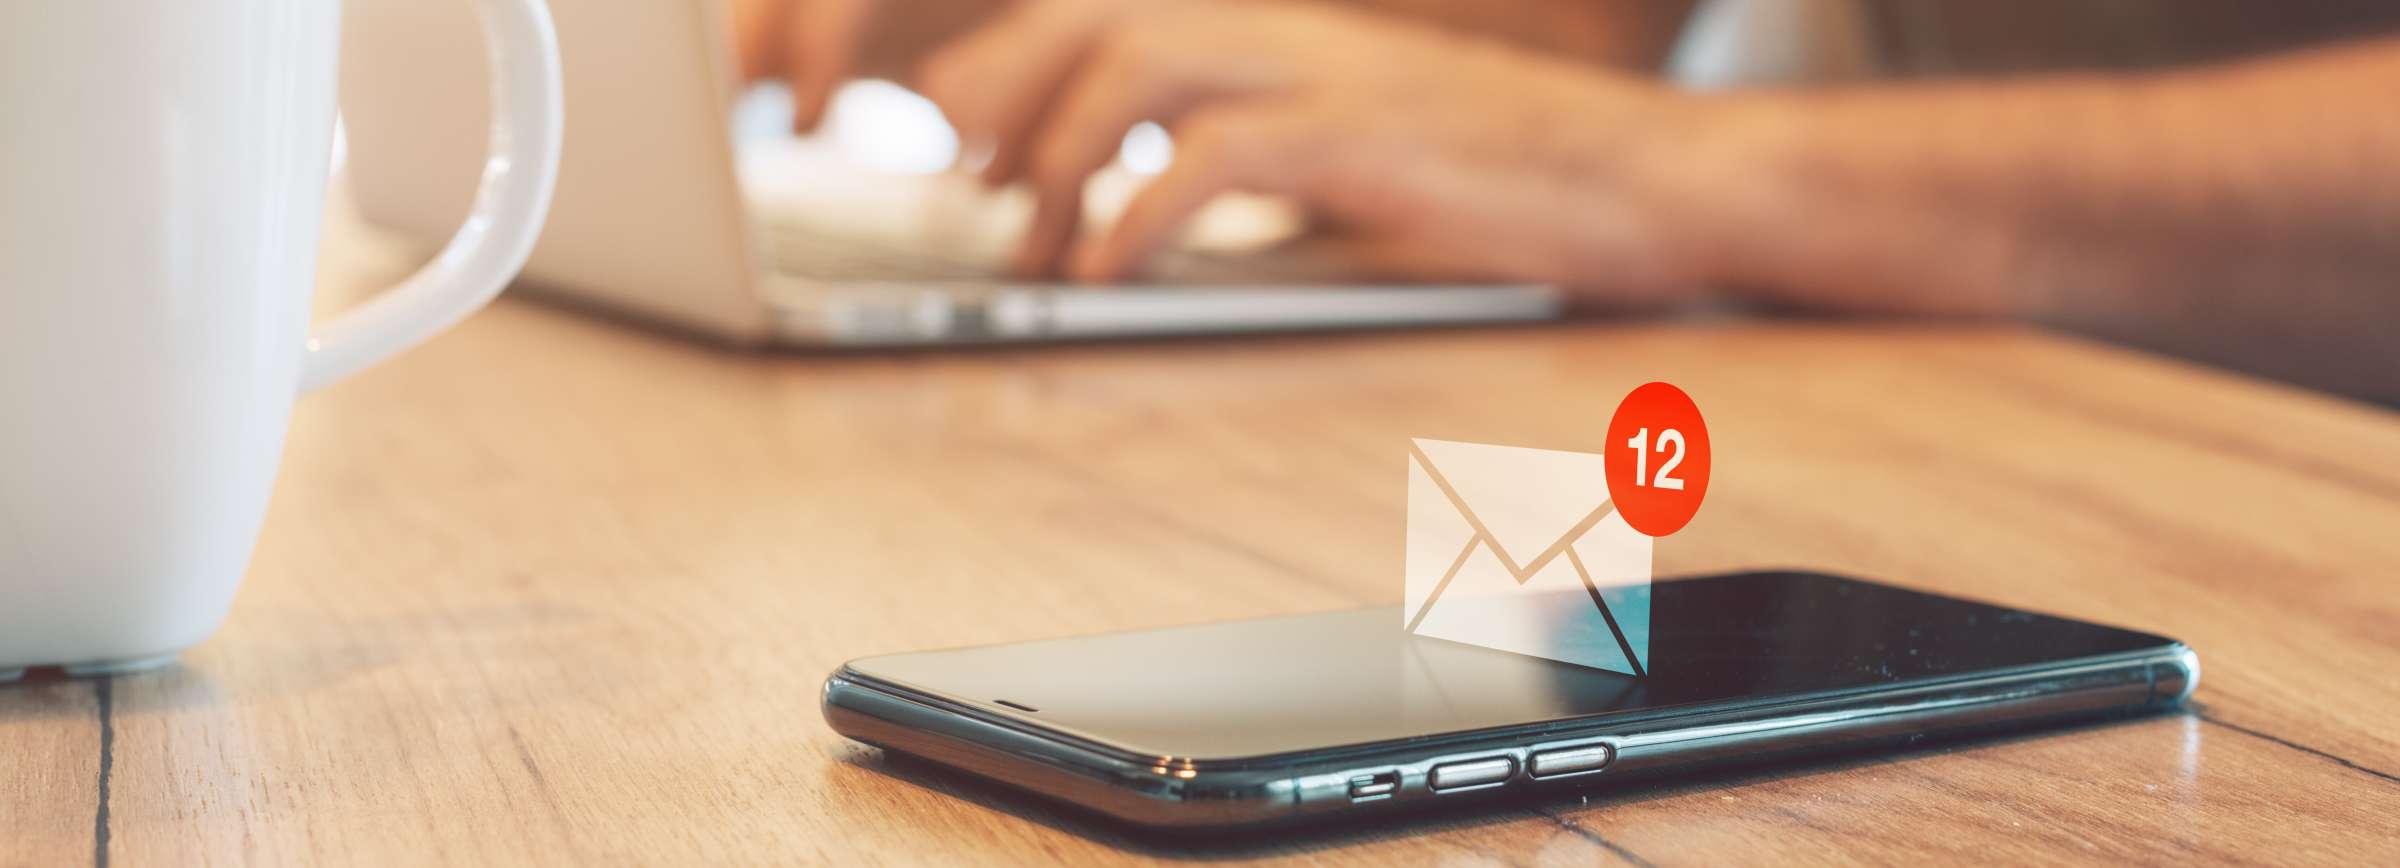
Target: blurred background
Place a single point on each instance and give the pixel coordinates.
(2176, 176)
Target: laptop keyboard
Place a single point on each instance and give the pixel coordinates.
(806, 252)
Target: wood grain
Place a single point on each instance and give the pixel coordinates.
(555, 590)
(49, 772)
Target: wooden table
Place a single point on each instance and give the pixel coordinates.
(556, 590)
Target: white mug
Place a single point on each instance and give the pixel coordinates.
(162, 180)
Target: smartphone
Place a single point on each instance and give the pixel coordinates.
(1343, 714)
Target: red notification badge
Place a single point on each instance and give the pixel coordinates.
(1657, 459)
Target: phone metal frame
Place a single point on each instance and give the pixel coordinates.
(1201, 793)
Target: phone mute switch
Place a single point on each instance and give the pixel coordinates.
(1374, 786)
(1472, 773)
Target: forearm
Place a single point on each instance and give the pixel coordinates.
(2257, 200)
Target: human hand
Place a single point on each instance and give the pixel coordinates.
(815, 45)
(1433, 154)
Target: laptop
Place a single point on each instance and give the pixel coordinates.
(852, 237)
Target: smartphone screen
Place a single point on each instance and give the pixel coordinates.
(1257, 689)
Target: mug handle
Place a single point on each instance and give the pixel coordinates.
(510, 204)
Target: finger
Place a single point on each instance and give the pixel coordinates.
(759, 30)
(1127, 80)
(823, 37)
(1115, 89)
(995, 83)
(1217, 150)
(1057, 218)
(1004, 158)
(1134, 74)
(1146, 69)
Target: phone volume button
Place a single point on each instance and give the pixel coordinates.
(1472, 773)
(1571, 760)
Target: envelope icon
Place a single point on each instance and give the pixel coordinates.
(1518, 549)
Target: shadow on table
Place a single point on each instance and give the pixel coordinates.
(47, 694)
(1561, 809)
(310, 653)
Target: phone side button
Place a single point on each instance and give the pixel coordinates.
(1572, 760)
(1374, 786)
(1472, 773)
